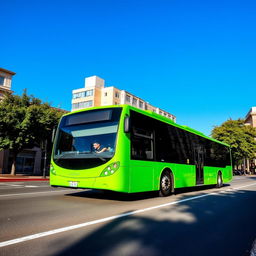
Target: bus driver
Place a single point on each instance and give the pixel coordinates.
(97, 148)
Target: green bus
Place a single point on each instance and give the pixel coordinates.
(138, 151)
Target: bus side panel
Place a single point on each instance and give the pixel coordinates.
(211, 174)
(141, 176)
(227, 174)
(142, 173)
(184, 175)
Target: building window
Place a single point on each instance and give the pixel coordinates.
(84, 104)
(1, 80)
(78, 95)
(82, 94)
(140, 104)
(89, 93)
(117, 94)
(105, 94)
(128, 98)
(134, 102)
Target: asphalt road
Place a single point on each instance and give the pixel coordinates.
(36, 219)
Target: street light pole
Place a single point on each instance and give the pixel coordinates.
(45, 158)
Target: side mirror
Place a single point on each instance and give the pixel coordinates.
(53, 134)
(127, 124)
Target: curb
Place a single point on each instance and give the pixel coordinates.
(17, 179)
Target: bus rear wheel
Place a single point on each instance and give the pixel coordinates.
(166, 184)
(219, 181)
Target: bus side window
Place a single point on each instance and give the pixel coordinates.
(142, 144)
(142, 137)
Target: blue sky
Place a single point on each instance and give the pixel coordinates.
(195, 59)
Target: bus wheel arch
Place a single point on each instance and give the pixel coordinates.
(166, 184)
(219, 180)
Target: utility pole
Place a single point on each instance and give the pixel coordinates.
(45, 158)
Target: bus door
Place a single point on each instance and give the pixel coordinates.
(199, 163)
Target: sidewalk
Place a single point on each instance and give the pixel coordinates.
(20, 177)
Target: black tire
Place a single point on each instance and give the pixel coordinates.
(219, 180)
(166, 184)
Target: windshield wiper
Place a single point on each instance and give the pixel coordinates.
(101, 158)
(79, 155)
(66, 154)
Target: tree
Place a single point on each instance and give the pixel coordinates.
(239, 136)
(24, 123)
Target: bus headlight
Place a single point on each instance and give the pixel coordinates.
(52, 170)
(111, 169)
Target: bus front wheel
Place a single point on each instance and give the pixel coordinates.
(166, 184)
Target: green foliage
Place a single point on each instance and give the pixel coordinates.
(25, 122)
(240, 137)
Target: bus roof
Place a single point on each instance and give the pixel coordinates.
(152, 115)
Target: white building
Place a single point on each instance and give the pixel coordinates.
(5, 81)
(95, 94)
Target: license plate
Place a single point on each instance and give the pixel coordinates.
(73, 184)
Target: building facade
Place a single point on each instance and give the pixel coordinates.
(28, 161)
(250, 119)
(5, 81)
(95, 94)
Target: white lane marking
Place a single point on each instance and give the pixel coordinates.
(85, 224)
(31, 186)
(34, 193)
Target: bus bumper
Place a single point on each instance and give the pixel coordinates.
(113, 182)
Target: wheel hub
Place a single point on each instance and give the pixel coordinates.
(166, 183)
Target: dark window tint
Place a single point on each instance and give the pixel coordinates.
(217, 154)
(172, 144)
(88, 117)
(142, 137)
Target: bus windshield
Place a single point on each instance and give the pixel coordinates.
(87, 139)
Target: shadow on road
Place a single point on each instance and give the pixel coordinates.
(252, 178)
(116, 196)
(212, 225)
